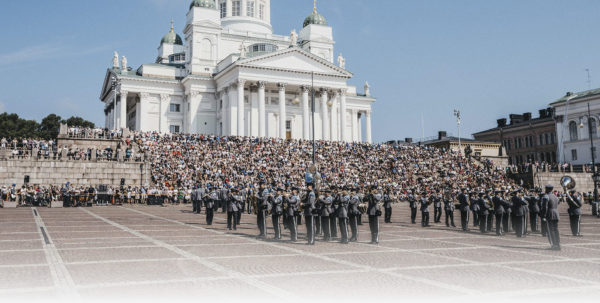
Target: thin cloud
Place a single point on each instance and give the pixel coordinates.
(29, 54)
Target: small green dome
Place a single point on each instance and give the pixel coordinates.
(315, 18)
(172, 38)
(203, 3)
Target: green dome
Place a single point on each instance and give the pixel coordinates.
(203, 3)
(172, 38)
(315, 18)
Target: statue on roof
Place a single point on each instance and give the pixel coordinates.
(124, 63)
(116, 60)
(242, 50)
(293, 38)
(367, 89)
(341, 61)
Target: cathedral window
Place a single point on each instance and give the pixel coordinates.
(175, 108)
(174, 129)
(223, 9)
(236, 8)
(261, 11)
(250, 9)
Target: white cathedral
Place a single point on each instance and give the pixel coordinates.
(233, 76)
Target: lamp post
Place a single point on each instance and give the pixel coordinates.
(595, 175)
(457, 115)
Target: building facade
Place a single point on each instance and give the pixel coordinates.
(230, 75)
(573, 129)
(524, 139)
(480, 149)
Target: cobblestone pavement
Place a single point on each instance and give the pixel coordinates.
(168, 252)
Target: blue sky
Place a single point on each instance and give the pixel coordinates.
(423, 58)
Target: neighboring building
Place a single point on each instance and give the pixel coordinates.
(480, 148)
(230, 75)
(526, 140)
(572, 126)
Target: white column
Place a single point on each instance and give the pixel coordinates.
(261, 110)
(195, 98)
(343, 113)
(229, 7)
(305, 114)
(143, 108)
(353, 118)
(359, 127)
(164, 112)
(225, 112)
(368, 127)
(254, 112)
(334, 117)
(243, 10)
(240, 108)
(324, 115)
(123, 110)
(138, 116)
(282, 116)
(233, 109)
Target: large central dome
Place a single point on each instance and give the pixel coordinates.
(315, 17)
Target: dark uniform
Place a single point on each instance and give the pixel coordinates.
(518, 207)
(463, 201)
(210, 205)
(293, 203)
(574, 213)
(449, 211)
(325, 204)
(550, 206)
(232, 210)
(342, 216)
(413, 209)
(500, 206)
(276, 212)
(507, 218)
(263, 207)
(484, 212)
(332, 217)
(437, 209)
(353, 213)
(595, 207)
(425, 212)
(475, 210)
(387, 206)
(491, 212)
(374, 212)
(534, 211)
(309, 207)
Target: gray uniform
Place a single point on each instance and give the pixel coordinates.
(309, 207)
(550, 211)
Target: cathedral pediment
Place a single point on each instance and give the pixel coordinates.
(294, 59)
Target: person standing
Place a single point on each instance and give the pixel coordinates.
(475, 209)
(437, 207)
(263, 206)
(499, 210)
(574, 212)
(507, 218)
(342, 215)
(353, 213)
(463, 201)
(276, 212)
(332, 215)
(518, 204)
(374, 212)
(425, 210)
(484, 212)
(309, 207)
(550, 208)
(533, 202)
(595, 206)
(325, 210)
(293, 203)
(232, 209)
(387, 206)
(412, 201)
(210, 204)
(449, 210)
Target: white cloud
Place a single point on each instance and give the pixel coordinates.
(31, 53)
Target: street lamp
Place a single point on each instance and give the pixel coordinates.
(595, 175)
(457, 115)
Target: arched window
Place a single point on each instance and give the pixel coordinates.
(573, 130)
(206, 49)
(594, 127)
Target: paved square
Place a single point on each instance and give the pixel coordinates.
(168, 252)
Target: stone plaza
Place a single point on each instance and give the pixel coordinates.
(154, 253)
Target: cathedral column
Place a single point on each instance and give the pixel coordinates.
(354, 119)
(261, 110)
(334, 117)
(282, 116)
(343, 113)
(225, 113)
(359, 126)
(368, 127)
(229, 8)
(164, 112)
(194, 101)
(253, 132)
(240, 109)
(305, 114)
(123, 110)
(324, 114)
(233, 105)
(143, 107)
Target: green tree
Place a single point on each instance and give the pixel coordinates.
(79, 122)
(49, 127)
(12, 126)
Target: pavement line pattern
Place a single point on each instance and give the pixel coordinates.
(459, 289)
(216, 267)
(61, 277)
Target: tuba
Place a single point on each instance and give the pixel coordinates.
(567, 182)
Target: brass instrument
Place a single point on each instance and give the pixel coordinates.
(567, 182)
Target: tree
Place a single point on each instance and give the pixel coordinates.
(49, 127)
(79, 122)
(11, 126)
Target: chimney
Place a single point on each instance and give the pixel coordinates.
(514, 119)
(408, 140)
(543, 113)
(442, 135)
(526, 116)
(501, 122)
